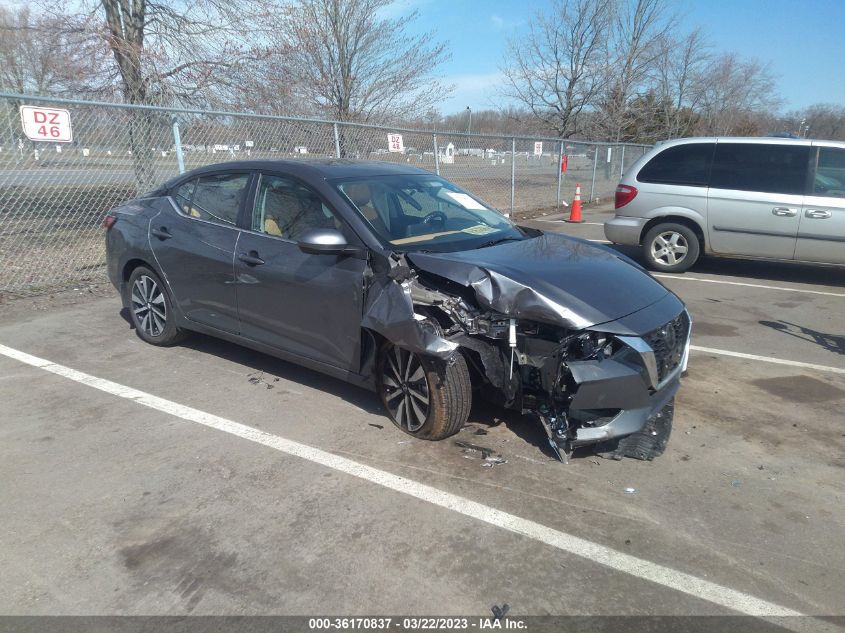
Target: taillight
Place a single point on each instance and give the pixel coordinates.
(109, 221)
(624, 194)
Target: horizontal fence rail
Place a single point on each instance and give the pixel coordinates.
(53, 195)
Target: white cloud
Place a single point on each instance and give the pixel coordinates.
(476, 90)
(497, 21)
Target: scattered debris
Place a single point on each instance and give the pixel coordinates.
(485, 452)
(736, 483)
(480, 431)
(500, 612)
(630, 491)
(257, 378)
(473, 451)
(595, 461)
(378, 426)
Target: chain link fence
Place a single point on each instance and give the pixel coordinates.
(53, 196)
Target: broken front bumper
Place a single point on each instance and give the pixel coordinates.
(627, 396)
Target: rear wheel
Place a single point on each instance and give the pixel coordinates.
(151, 309)
(670, 247)
(425, 397)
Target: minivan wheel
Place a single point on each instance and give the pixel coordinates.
(670, 247)
(425, 397)
(150, 309)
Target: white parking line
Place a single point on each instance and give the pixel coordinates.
(739, 283)
(585, 223)
(765, 359)
(593, 552)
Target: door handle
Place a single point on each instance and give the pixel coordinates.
(251, 258)
(818, 214)
(784, 212)
(162, 233)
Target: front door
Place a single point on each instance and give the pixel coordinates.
(309, 305)
(193, 239)
(821, 233)
(755, 198)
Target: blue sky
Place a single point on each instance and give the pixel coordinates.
(803, 40)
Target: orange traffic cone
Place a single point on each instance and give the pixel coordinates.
(575, 210)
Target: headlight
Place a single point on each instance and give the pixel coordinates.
(590, 346)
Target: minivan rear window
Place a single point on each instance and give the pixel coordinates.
(763, 167)
(687, 164)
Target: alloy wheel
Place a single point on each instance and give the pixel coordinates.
(406, 392)
(669, 247)
(148, 306)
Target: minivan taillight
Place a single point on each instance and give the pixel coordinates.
(109, 221)
(624, 194)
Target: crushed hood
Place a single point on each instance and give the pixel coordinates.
(551, 278)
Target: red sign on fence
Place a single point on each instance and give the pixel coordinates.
(46, 124)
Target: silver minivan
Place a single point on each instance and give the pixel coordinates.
(760, 197)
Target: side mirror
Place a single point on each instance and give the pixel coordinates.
(325, 242)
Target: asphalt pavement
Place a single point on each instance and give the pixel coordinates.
(210, 479)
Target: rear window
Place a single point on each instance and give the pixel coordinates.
(687, 164)
(830, 173)
(761, 167)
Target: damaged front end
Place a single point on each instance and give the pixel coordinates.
(610, 384)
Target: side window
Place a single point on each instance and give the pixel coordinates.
(217, 198)
(285, 208)
(687, 164)
(830, 173)
(182, 196)
(761, 167)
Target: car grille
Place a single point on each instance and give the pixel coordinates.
(668, 343)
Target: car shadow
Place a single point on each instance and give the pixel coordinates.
(260, 368)
(124, 314)
(525, 427)
(758, 269)
(831, 342)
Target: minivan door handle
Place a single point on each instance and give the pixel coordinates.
(162, 233)
(817, 214)
(784, 212)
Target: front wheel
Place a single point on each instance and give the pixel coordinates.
(425, 397)
(670, 247)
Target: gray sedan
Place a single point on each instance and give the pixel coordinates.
(393, 278)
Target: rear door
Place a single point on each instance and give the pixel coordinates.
(194, 239)
(309, 305)
(755, 198)
(821, 232)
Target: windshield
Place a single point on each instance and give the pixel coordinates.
(426, 213)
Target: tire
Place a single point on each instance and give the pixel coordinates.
(662, 248)
(445, 385)
(151, 309)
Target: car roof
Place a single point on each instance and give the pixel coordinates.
(763, 140)
(325, 168)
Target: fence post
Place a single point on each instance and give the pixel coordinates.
(622, 163)
(595, 164)
(513, 174)
(177, 143)
(559, 172)
(336, 141)
(436, 156)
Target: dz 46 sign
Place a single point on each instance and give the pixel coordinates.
(46, 124)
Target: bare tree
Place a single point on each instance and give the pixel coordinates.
(638, 28)
(680, 72)
(41, 55)
(163, 52)
(734, 90)
(556, 71)
(351, 62)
